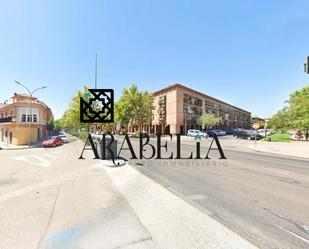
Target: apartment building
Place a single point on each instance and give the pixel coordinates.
(178, 108)
(24, 120)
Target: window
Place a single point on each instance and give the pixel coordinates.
(29, 118)
(35, 118)
(23, 118)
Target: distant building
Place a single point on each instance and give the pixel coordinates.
(256, 119)
(24, 117)
(178, 108)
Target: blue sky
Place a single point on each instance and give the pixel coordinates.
(248, 53)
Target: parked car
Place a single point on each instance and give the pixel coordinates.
(52, 141)
(64, 138)
(192, 133)
(262, 132)
(229, 131)
(217, 132)
(247, 134)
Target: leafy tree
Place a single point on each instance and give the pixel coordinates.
(134, 107)
(208, 120)
(296, 114)
(71, 117)
(281, 120)
(299, 109)
(57, 125)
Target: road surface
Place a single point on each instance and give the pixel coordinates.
(262, 197)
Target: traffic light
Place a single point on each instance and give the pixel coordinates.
(306, 65)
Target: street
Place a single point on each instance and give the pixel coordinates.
(49, 198)
(262, 197)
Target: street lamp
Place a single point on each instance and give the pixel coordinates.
(265, 128)
(31, 119)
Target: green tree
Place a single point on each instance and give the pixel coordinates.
(57, 125)
(71, 116)
(299, 109)
(134, 107)
(295, 114)
(281, 120)
(208, 120)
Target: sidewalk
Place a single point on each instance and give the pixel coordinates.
(294, 148)
(5, 146)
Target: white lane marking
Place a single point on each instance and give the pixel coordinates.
(46, 183)
(45, 161)
(21, 158)
(294, 234)
(49, 155)
(306, 228)
(56, 152)
(42, 161)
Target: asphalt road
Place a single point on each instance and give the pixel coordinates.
(262, 197)
(47, 195)
(49, 199)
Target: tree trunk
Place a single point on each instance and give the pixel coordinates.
(307, 134)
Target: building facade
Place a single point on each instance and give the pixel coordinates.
(24, 120)
(178, 108)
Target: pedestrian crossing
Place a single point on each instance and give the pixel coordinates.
(42, 160)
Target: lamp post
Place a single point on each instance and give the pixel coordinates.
(30, 119)
(265, 129)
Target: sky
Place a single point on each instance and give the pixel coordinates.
(246, 52)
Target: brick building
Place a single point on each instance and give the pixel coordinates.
(177, 109)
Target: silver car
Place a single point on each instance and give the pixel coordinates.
(64, 138)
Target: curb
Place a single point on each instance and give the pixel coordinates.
(22, 148)
(251, 147)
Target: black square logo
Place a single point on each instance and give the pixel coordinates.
(97, 106)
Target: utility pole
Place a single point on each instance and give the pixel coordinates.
(30, 115)
(306, 69)
(306, 65)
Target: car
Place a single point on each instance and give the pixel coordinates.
(193, 133)
(262, 132)
(229, 131)
(52, 141)
(247, 134)
(64, 138)
(216, 132)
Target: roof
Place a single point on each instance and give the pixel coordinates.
(2, 105)
(173, 86)
(26, 99)
(23, 96)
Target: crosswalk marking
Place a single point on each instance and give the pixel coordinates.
(21, 158)
(44, 160)
(49, 155)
